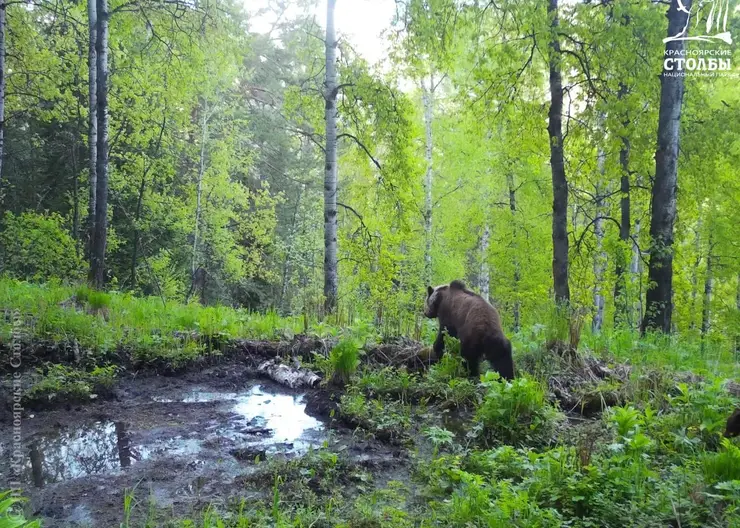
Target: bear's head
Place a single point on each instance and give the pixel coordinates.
(434, 299)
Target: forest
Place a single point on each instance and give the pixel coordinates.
(220, 221)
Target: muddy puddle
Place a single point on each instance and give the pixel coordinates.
(179, 441)
(259, 422)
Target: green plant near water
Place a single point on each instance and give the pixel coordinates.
(344, 359)
(62, 383)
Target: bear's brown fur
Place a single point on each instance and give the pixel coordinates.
(471, 319)
(733, 424)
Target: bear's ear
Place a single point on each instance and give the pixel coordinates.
(457, 285)
(430, 291)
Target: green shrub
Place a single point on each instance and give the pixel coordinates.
(344, 359)
(514, 412)
(38, 247)
(385, 419)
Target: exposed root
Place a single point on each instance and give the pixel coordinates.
(401, 352)
(587, 385)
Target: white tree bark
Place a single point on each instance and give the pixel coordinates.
(600, 257)
(427, 96)
(92, 136)
(485, 284)
(331, 281)
(517, 271)
(101, 199)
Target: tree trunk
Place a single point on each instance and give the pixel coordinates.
(140, 203)
(199, 190)
(658, 309)
(557, 164)
(3, 8)
(101, 198)
(636, 272)
(708, 287)
(517, 272)
(92, 135)
(427, 96)
(331, 280)
(484, 273)
(621, 303)
(695, 275)
(600, 258)
(737, 308)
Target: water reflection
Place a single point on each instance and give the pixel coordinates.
(257, 420)
(283, 414)
(66, 455)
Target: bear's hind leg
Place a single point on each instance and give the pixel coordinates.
(499, 355)
(472, 359)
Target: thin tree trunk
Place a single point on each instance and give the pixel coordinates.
(92, 135)
(484, 272)
(659, 303)
(708, 286)
(517, 272)
(557, 164)
(101, 198)
(695, 275)
(600, 258)
(737, 307)
(199, 190)
(331, 280)
(621, 303)
(288, 260)
(636, 272)
(139, 205)
(427, 96)
(75, 197)
(3, 8)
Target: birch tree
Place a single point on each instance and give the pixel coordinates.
(427, 96)
(100, 235)
(92, 136)
(331, 280)
(659, 298)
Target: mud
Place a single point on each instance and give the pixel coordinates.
(180, 442)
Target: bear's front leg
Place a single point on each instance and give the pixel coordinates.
(439, 343)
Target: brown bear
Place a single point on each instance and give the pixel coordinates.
(733, 424)
(470, 318)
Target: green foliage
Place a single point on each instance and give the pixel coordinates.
(514, 412)
(344, 359)
(59, 383)
(8, 517)
(722, 466)
(38, 247)
(385, 419)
